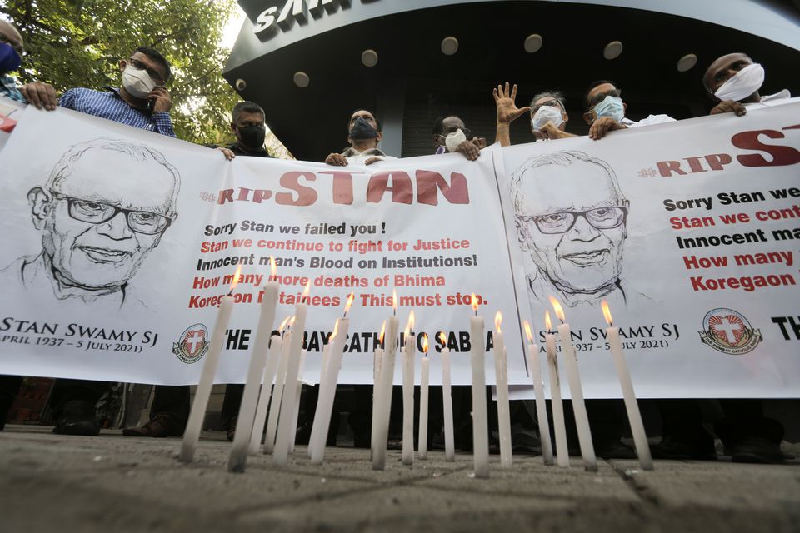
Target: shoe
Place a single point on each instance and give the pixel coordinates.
(159, 426)
(231, 432)
(77, 418)
(616, 450)
(756, 450)
(675, 449)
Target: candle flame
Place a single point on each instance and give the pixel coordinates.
(235, 280)
(607, 313)
(425, 343)
(443, 338)
(273, 267)
(528, 331)
(383, 332)
(498, 319)
(557, 307)
(349, 303)
(291, 322)
(284, 323)
(394, 302)
(547, 323)
(306, 291)
(474, 304)
(410, 323)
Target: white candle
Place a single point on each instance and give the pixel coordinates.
(237, 460)
(538, 390)
(322, 418)
(631, 406)
(280, 454)
(277, 394)
(266, 393)
(574, 380)
(447, 403)
(480, 437)
(503, 410)
(422, 447)
(381, 421)
(409, 353)
(195, 423)
(377, 358)
(326, 350)
(299, 387)
(559, 428)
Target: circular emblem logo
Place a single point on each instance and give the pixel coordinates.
(729, 332)
(192, 345)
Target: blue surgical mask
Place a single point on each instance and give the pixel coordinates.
(9, 58)
(610, 106)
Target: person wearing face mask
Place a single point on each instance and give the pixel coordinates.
(451, 135)
(11, 50)
(605, 111)
(249, 126)
(141, 102)
(733, 82)
(363, 134)
(548, 114)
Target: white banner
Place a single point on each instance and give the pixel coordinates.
(118, 243)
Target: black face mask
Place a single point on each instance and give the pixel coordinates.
(362, 129)
(252, 136)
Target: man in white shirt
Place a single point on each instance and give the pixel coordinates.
(605, 111)
(733, 82)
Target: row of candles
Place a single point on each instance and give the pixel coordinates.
(280, 358)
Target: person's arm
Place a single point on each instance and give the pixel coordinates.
(507, 112)
(40, 94)
(162, 104)
(68, 99)
(602, 126)
(336, 160)
(550, 131)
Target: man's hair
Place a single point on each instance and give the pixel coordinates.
(558, 96)
(562, 159)
(705, 74)
(247, 107)
(156, 56)
(595, 84)
(356, 110)
(138, 152)
(437, 124)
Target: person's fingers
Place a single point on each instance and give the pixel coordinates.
(52, 99)
(514, 92)
(506, 89)
(32, 96)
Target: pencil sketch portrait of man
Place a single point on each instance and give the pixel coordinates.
(105, 206)
(571, 219)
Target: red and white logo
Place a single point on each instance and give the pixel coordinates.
(192, 344)
(728, 331)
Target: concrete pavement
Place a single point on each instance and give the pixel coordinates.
(121, 484)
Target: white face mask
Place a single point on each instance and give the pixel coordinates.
(545, 114)
(742, 84)
(137, 82)
(454, 139)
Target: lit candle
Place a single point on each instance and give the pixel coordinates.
(559, 428)
(237, 460)
(299, 387)
(574, 380)
(274, 356)
(409, 354)
(631, 406)
(447, 401)
(277, 394)
(538, 390)
(322, 419)
(422, 447)
(480, 436)
(503, 416)
(381, 422)
(326, 351)
(280, 454)
(195, 423)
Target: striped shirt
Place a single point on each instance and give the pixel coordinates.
(111, 106)
(8, 88)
